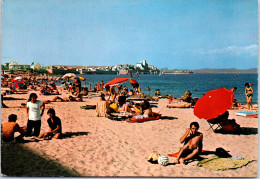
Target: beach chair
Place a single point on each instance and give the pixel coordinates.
(214, 123)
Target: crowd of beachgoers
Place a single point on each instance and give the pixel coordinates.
(115, 102)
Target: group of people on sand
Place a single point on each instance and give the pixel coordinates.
(116, 101)
(34, 109)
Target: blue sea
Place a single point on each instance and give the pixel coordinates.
(178, 84)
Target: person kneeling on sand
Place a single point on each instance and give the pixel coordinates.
(192, 140)
(55, 128)
(10, 127)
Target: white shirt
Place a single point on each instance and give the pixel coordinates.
(34, 110)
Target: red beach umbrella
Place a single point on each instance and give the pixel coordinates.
(132, 81)
(116, 81)
(214, 103)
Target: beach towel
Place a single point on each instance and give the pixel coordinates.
(88, 107)
(216, 163)
(246, 113)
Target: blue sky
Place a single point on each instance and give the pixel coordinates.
(183, 34)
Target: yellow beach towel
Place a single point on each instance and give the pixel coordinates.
(216, 163)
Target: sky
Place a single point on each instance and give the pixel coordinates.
(182, 34)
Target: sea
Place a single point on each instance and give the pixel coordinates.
(178, 84)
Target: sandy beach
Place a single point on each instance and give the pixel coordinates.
(98, 146)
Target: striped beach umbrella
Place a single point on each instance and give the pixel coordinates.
(18, 84)
(78, 78)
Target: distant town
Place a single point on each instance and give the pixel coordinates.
(142, 68)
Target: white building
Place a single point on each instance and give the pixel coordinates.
(13, 65)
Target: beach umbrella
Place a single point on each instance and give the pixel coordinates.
(18, 84)
(19, 78)
(69, 75)
(214, 103)
(78, 78)
(132, 81)
(116, 81)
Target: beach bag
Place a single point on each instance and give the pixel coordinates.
(153, 158)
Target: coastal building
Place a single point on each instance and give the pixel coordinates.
(13, 65)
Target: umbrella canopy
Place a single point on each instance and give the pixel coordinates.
(116, 81)
(17, 84)
(78, 78)
(132, 81)
(69, 75)
(19, 78)
(214, 103)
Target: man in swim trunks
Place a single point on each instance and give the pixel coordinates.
(9, 128)
(192, 140)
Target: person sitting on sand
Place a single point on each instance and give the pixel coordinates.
(84, 91)
(9, 128)
(131, 92)
(102, 107)
(145, 111)
(236, 103)
(94, 89)
(157, 92)
(137, 109)
(55, 129)
(122, 103)
(192, 140)
(187, 96)
(112, 94)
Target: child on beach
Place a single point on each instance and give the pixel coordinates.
(35, 109)
(192, 140)
(55, 129)
(9, 128)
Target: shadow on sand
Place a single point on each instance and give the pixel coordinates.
(242, 131)
(168, 117)
(11, 98)
(16, 160)
(71, 134)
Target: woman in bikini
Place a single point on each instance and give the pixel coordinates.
(249, 94)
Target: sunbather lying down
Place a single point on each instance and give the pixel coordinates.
(59, 99)
(179, 105)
